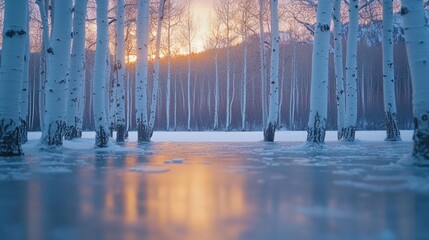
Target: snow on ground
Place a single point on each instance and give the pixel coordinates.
(254, 136)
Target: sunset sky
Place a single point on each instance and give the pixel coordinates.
(201, 10)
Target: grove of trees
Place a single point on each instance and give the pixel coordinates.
(120, 65)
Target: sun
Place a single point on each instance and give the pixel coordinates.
(131, 58)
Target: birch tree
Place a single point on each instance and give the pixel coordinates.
(101, 63)
(416, 41)
(156, 67)
(215, 43)
(11, 75)
(173, 17)
(392, 129)
(119, 72)
(58, 56)
(319, 75)
(339, 74)
(188, 35)
(76, 99)
(25, 87)
(144, 133)
(351, 72)
(245, 27)
(225, 11)
(262, 62)
(273, 113)
(43, 9)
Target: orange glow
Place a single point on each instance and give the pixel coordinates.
(201, 13)
(131, 58)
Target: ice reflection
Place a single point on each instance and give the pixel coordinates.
(239, 194)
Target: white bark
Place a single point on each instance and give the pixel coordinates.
(351, 72)
(58, 56)
(319, 75)
(339, 73)
(143, 17)
(416, 41)
(216, 106)
(156, 66)
(43, 9)
(100, 79)
(189, 87)
(227, 21)
(244, 92)
(11, 75)
(293, 90)
(25, 88)
(392, 129)
(75, 99)
(262, 62)
(120, 71)
(273, 113)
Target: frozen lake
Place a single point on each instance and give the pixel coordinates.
(214, 190)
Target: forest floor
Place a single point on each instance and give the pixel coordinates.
(210, 185)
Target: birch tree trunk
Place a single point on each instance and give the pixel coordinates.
(25, 88)
(156, 67)
(216, 106)
(100, 79)
(144, 133)
(416, 41)
(11, 75)
(319, 75)
(293, 90)
(244, 85)
(339, 74)
(58, 55)
(262, 62)
(273, 114)
(351, 72)
(189, 86)
(392, 129)
(120, 73)
(228, 65)
(43, 9)
(75, 99)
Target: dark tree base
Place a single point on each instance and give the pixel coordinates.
(144, 133)
(72, 132)
(340, 133)
(269, 132)
(316, 133)
(10, 138)
(53, 136)
(421, 137)
(349, 133)
(120, 133)
(392, 129)
(101, 137)
(24, 131)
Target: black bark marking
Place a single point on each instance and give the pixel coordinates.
(421, 137)
(10, 33)
(324, 27)
(404, 11)
(50, 50)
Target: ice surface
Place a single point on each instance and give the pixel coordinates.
(148, 169)
(176, 188)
